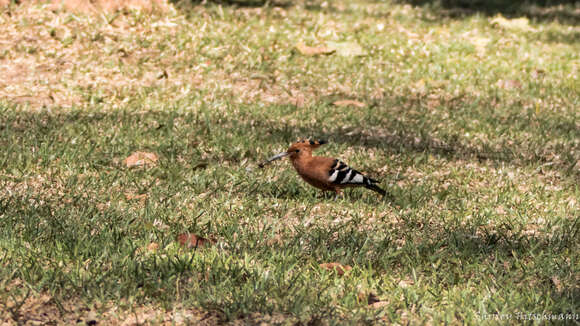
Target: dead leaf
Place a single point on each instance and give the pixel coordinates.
(419, 87)
(190, 240)
(370, 298)
(406, 283)
(480, 44)
(433, 101)
(557, 283)
(140, 197)
(163, 75)
(344, 103)
(299, 100)
(500, 210)
(153, 246)
(378, 304)
(346, 49)
(200, 165)
(506, 265)
(338, 268)
(522, 24)
(312, 51)
(141, 159)
(509, 84)
(403, 315)
(538, 73)
(108, 6)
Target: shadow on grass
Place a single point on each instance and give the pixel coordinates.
(563, 11)
(395, 137)
(235, 138)
(445, 254)
(455, 253)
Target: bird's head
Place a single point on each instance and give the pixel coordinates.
(301, 147)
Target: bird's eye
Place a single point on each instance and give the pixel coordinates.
(297, 150)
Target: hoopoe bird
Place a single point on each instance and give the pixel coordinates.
(324, 173)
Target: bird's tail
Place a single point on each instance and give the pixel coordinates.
(376, 188)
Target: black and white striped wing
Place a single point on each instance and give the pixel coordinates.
(340, 173)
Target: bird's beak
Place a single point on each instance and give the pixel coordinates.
(273, 158)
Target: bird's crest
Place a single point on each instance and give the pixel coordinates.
(310, 142)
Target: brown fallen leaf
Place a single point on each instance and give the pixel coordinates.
(130, 196)
(311, 51)
(338, 268)
(153, 246)
(163, 75)
(190, 240)
(346, 49)
(378, 304)
(343, 103)
(557, 283)
(141, 159)
(200, 165)
(433, 101)
(506, 265)
(149, 249)
(406, 283)
(299, 100)
(538, 73)
(370, 298)
(521, 24)
(508, 84)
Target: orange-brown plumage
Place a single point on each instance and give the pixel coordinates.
(324, 173)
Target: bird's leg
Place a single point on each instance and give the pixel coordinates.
(338, 193)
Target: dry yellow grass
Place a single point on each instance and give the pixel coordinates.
(100, 6)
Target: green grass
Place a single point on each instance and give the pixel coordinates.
(485, 215)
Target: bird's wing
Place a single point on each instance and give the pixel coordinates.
(340, 173)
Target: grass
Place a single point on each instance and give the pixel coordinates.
(472, 126)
